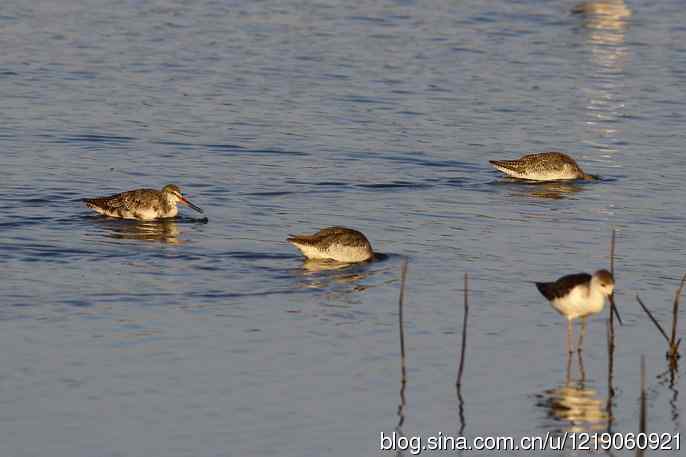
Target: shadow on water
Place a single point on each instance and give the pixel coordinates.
(574, 406)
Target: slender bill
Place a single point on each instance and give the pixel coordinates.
(197, 208)
(614, 308)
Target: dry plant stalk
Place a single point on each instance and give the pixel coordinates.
(673, 343)
(640, 452)
(613, 307)
(652, 318)
(612, 252)
(610, 376)
(611, 344)
(673, 349)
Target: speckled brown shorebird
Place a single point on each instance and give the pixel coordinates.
(141, 204)
(334, 243)
(580, 295)
(544, 166)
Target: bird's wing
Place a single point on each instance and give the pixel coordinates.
(130, 199)
(324, 237)
(561, 287)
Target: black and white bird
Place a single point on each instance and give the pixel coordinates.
(578, 296)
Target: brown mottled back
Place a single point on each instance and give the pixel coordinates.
(330, 235)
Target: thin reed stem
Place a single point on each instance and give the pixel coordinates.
(610, 375)
(612, 252)
(643, 416)
(675, 316)
(613, 307)
(652, 318)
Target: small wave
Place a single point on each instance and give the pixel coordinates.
(396, 185)
(252, 255)
(245, 151)
(96, 138)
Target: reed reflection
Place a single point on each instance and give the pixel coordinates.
(669, 378)
(575, 405)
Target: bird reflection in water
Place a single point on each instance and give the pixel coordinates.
(317, 265)
(163, 231)
(555, 190)
(340, 282)
(321, 274)
(575, 404)
(604, 15)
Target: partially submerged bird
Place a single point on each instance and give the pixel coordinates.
(334, 243)
(141, 204)
(580, 295)
(543, 166)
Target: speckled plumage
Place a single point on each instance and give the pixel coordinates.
(334, 243)
(141, 204)
(544, 166)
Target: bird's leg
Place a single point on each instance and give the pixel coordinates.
(581, 367)
(581, 333)
(570, 332)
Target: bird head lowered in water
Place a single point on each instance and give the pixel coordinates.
(340, 244)
(173, 194)
(543, 166)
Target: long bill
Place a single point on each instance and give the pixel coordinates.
(611, 297)
(197, 208)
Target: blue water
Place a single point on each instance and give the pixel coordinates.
(193, 338)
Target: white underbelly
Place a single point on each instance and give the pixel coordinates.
(578, 303)
(143, 214)
(337, 252)
(542, 175)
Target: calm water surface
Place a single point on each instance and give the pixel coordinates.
(187, 338)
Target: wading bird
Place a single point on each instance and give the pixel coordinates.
(334, 243)
(544, 166)
(141, 204)
(580, 295)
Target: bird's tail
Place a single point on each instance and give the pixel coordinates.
(546, 289)
(506, 165)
